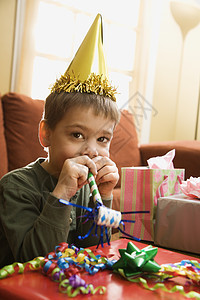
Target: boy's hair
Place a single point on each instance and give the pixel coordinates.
(57, 104)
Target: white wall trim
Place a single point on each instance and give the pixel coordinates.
(154, 13)
(19, 23)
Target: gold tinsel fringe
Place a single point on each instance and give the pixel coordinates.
(93, 84)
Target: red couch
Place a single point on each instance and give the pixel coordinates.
(19, 145)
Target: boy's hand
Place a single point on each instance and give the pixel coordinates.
(73, 176)
(107, 175)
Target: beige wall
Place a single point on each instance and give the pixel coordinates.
(7, 27)
(175, 121)
(171, 122)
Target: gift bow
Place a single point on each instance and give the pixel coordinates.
(134, 262)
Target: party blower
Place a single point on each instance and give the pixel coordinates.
(103, 216)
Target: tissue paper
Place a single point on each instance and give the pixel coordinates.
(191, 187)
(162, 162)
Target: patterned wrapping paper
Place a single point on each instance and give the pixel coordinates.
(140, 189)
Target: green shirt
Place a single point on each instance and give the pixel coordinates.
(33, 221)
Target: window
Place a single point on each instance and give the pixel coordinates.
(53, 31)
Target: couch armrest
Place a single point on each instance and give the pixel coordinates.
(187, 154)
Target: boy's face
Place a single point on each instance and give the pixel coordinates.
(78, 133)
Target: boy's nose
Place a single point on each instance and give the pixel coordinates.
(90, 150)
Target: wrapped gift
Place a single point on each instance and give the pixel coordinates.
(177, 223)
(140, 189)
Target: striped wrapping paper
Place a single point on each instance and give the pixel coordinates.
(140, 189)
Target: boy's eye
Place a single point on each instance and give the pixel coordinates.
(77, 135)
(103, 139)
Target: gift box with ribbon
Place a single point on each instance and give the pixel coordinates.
(177, 223)
(142, 186)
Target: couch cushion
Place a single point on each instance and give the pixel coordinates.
(187, 154)
(21, 118)
(3, 150)
(124, 149)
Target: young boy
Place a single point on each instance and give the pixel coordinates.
(77, 128)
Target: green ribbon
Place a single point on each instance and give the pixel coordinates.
(65, 287)
(176, 288)
(135, 262)
(10, 269)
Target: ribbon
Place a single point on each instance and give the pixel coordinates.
(67, 288)
(11, 269)
(72, 260)
(176, 288)
(76, 285)
(160, 190)
(69, 262)
(135, 262)
(163, 187)
(186, 268)
(64, 265)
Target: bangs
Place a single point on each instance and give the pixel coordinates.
(57, 104)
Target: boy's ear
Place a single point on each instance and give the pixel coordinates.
(44, 134)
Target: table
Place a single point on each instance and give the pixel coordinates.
(34, 285)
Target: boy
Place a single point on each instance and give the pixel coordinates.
(77, 129)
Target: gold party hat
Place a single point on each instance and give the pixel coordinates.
(87, 73)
